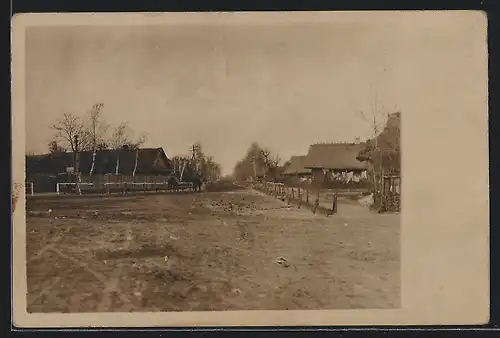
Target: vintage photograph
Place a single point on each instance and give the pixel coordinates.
(219, 165)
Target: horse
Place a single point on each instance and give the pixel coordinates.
(172, 183)
(197, 183)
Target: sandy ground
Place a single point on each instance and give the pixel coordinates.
(238, 250)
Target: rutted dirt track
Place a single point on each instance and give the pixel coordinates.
(236, 250)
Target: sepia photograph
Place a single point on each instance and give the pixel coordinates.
(249, 163)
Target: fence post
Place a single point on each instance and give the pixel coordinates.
(307, 196)
(300, 198)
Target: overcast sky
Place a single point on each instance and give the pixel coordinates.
(285, 85)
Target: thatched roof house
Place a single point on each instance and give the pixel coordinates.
(296, 166)
(335, 156)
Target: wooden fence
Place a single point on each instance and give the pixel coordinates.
(110, 183)
(391, 193)
(112, 178)
(316, 200)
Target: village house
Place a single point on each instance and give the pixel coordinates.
(296, 168)
(128, 162)
(48, 169)
(335, 162)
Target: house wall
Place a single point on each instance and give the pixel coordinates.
(318, 176)
(327, 180)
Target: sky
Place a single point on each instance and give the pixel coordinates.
(283, 84)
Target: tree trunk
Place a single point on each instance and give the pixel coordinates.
(136, 159)
(93, 163)
(117, 169)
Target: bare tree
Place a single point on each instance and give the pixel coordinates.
(55, 148)
(270, 159)
(271, 162)
(97, 127)
(123, 135)
(257, 161)
(196, 165)
(67, 129)
(384, 142)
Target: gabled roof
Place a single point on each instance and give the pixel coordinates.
(296, 166)
(336, 156)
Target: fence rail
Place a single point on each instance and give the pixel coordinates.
(316, 200)
(112, 178)
(120, 186)
(107, 183)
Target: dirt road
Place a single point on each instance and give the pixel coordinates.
(238, 250)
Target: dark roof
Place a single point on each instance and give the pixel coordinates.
(105, 161)
(340, 156)
(296, 166)
(148, 157)
(47, 163)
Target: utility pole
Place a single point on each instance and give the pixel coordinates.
(193, 151)
(194, 162)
